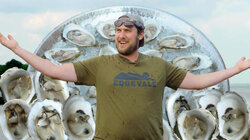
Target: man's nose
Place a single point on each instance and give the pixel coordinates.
(122, 34)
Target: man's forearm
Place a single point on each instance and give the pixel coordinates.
(192, 81)
(40, 64)
(209, 79)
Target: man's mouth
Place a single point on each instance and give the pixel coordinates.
(123, 42)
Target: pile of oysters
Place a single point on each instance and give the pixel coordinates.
(39, 107)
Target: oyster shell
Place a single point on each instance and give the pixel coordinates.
(107, 50)
(77, 35)
(107, 29)
(74, 91)
(196, 124)
(13, 119)
(233, 116)
(167, 131)
(78, 119)
(179, 101)
(176, 42)
(91, 93)
(93, 108)
(210, 100)
(193, 62)
(152, 52)
(47, 88)
(62, 54)
(45, 121)
(247, 134)
(17, 84)
(152, 30)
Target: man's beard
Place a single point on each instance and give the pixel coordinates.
(130, 49)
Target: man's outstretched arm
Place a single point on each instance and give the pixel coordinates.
(192, 81)
(64, 72)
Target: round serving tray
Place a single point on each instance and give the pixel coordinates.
(170, 24)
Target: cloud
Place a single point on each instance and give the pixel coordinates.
(248, 23)
(33, 22)
(35, 37)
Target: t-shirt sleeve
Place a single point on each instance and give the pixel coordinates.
(175, 76)
(86, 71)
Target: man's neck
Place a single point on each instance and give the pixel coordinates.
(132, 57)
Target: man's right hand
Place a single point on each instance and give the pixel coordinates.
(64, 72)
(9, 42)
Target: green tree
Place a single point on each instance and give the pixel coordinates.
(12, 63)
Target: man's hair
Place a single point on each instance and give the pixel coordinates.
(141, 42)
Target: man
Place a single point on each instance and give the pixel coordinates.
(130, 85)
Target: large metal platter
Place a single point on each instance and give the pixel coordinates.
(170, 25)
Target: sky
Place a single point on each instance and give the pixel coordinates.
(226, 23)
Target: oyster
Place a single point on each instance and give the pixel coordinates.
(107, 50)
(62, 54)
(210, 100)
(193, 62)
(176, 42)
(233, 116)
(107, 29)
(47, 88)
(45, 121)
(155, 53)
(77, 35)
(74, 91)
(78, 119)
(197, 124)
(91, 93)
(179, 101)
(17, 84)
(13, 117)
(152, 30)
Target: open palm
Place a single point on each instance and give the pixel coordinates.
(243, 64)
(9, 42)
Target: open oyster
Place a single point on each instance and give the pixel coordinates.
(78, 119)
(17, 84)
(13, 118)
(152, 30)
(62, 54)
(107, 50)
(45, 121)
(91, 93)
(176, 42)
(179, 101)
(107, 29)
(47, 88)
(210, 100)
(77, 35)
(196, 124)
(193, 62)
(74, 90)
(233, 116)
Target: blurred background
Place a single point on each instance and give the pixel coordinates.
(226, 23)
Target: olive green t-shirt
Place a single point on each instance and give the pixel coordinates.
(129, 95)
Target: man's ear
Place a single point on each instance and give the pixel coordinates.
(141, 35)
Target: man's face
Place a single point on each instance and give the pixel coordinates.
(127, 39)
